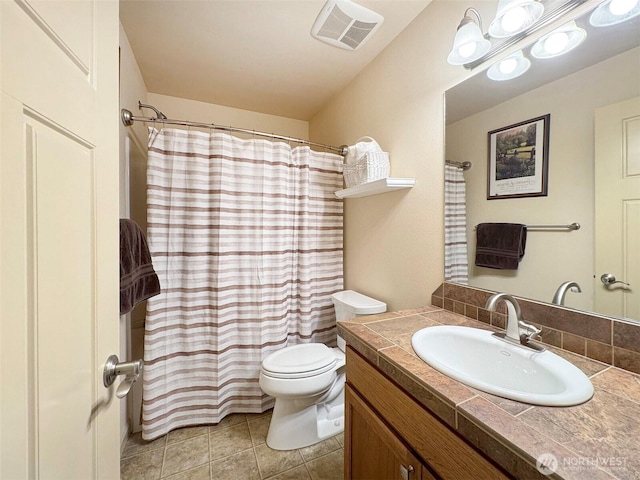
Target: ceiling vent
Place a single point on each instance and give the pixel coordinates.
(345, 24)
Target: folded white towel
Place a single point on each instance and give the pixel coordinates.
(363, 146)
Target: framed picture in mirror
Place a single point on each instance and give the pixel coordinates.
(518, 163)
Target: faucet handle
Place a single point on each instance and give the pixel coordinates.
(530, 331)
(527, 333)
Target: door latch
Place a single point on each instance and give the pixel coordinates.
(131, 370)
(610, 279)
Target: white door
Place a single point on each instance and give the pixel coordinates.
(617, 172)
(58, 238)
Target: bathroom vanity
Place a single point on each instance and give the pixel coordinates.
(405, 420)
(373, 449)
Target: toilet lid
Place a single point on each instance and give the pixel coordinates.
(300, 360)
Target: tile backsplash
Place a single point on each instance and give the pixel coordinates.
(601, 338)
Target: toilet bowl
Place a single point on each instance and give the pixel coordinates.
(307, 381)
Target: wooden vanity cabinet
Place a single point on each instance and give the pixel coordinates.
(389, 436)
(374, 451)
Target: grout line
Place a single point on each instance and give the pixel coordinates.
(307, 469)
(609, 367)
(210, 461)
(255, 455)
(209, 450)
(226, 457)
(254, 440)
(524, 411)
(144, 450)
(141, 453)
(164, 454)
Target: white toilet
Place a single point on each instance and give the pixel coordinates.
(307, 381)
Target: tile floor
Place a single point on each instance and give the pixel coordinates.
(233, 449)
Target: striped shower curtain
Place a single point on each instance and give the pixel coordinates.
(246, 238)
(455, 226)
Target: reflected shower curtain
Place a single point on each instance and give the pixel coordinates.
(455, 226)
(246, 238)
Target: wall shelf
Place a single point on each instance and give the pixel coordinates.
(383, 185)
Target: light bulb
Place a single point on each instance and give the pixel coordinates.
(514, 18)
(468, 49)
(621, 7)
(508, 66)
(511, 67)
(556, 43)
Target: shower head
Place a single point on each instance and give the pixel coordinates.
(159, 114)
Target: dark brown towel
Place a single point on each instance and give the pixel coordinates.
(138, 279)
(500, 245)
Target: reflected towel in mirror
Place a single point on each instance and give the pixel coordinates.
(500, 245)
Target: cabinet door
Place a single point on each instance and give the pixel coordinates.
(436, 444)
(372, 449)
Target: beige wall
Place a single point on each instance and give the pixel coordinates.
(394, 242)
(132, 90)
(551, 257)
(183, 109)
(132, 166)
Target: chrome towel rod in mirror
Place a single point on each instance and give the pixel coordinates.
(572, 226)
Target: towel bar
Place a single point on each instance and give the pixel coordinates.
(572, 226)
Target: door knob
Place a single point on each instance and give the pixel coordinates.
(610, 279)
(113, 367)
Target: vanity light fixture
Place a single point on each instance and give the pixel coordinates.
(469, 43)
(515, 16)
(614, 11)
(560, 41)
(516, 19)
(510, 67)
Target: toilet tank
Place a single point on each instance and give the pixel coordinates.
(350, 304)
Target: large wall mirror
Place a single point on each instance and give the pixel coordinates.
(592, 95)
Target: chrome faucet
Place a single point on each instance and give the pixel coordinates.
(518, 331)
(558, 298)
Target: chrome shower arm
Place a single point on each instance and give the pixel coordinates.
(159, 114)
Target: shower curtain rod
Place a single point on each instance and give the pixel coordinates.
(462, 165)
(128, 119)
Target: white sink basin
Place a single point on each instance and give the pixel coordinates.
(478, 359)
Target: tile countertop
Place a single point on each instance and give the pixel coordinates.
(599, 439)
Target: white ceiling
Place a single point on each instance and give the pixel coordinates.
(255, 55)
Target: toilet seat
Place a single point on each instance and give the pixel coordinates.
(299, 361)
